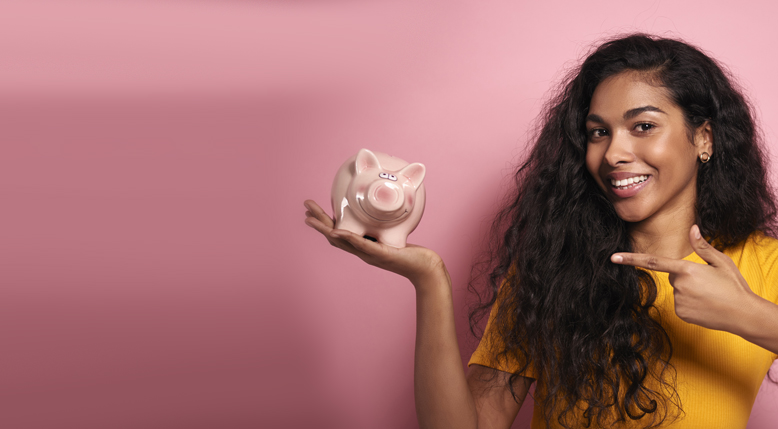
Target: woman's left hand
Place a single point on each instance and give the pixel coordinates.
(715, 296)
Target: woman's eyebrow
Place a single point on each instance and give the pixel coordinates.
(594, 118)
(631, 113)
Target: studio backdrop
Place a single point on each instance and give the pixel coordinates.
(155, 269)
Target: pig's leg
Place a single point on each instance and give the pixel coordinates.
(350, 224)
(393, 237)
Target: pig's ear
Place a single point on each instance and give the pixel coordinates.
(415, 173)
(365, 160)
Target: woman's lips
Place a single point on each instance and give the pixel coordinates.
(630, 190)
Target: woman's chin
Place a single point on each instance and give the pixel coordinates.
(631, 216)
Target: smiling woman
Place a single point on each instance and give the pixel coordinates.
(633, 276)
(639, 151)
(624, 164)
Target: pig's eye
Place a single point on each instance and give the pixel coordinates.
(392, 177)
(383, 175)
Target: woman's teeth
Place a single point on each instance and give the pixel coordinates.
(627, 183)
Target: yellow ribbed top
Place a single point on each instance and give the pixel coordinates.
(718, 373)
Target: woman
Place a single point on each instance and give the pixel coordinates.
(635, 277)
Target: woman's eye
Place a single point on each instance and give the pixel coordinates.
(597, 132)
(644, 127)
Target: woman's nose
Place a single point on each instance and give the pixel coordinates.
(619, 150)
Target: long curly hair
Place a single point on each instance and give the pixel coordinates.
(589, 328)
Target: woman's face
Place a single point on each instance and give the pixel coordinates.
(639, 152)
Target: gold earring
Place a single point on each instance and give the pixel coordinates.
(704, 157)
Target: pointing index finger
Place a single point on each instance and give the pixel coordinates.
(648, 261)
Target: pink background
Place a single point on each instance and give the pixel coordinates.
(155, 270)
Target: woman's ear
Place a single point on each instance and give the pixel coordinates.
(703, 139)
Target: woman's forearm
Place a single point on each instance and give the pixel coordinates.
(443, 398)
(758, 323)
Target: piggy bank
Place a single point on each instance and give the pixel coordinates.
(379, 197)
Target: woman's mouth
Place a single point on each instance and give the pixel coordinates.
(628, 183)
(626, 188)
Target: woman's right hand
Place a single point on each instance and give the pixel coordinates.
(413, 262)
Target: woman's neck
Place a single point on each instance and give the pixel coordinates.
(664, 235)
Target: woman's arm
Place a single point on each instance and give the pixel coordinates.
(714, 296)
(493, 400)
(445, 398)
(757, 323)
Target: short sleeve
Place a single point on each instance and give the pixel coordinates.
(485, 353)
(766, 249)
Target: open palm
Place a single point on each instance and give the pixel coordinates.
(413, 262)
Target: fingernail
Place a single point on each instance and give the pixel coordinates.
(697, 232)
(617, 258)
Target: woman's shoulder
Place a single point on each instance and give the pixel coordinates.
(761, 243)
(759, 249)
(759, 252)
(759, 264)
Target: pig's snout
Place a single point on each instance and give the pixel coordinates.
(385, 200)
(385, 197)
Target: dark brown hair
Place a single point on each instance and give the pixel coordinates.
(587, 326)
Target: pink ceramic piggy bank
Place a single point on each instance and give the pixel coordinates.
(378, 196)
